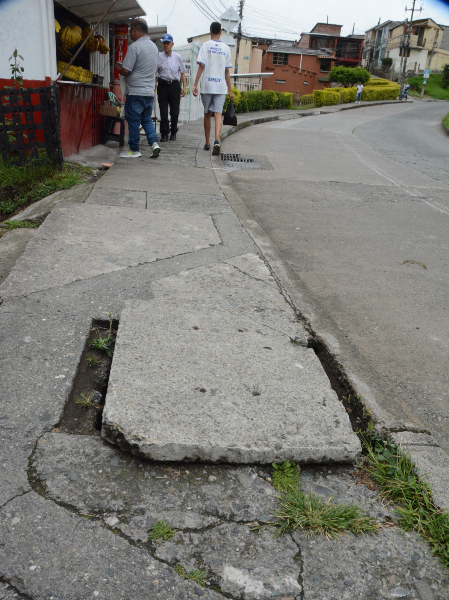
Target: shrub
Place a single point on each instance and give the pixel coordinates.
(326, 97)
(387, 62)
(386, 92)
(307, 96)
(348, 76)
(377, 82)
(259, 100)
(348, 94)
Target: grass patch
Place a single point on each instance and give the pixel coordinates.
(434, 87)
(86, 400)
(93, 361)
(21, 186)
(446, 121)
(161, 531)
(397, 477)
(311, 513)
(104, 343)
(196, 575)
(19, 225)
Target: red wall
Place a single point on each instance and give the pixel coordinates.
(81, 122)
(310, 72)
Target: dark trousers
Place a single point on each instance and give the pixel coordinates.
(168, 95)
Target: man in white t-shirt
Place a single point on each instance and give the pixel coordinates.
(214, 60)
(358, 97)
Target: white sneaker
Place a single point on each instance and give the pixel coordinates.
(130, 154)
(156, 150)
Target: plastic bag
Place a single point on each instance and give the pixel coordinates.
(230, 118)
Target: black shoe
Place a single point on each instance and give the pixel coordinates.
(216, 148)
(164, 137)
(206, 147)
(173, 137)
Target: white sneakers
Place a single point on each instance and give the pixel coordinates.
(133, 154)
(156, 150)
(130, 154)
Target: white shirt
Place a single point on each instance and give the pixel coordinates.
(359, 88)
(216, 58)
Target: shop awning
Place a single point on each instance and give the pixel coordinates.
(92, 10)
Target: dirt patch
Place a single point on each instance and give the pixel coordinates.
(83, 411)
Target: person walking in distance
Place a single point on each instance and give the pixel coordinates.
(139, 71)
(214, 60)
(170, 71)
(358, 97)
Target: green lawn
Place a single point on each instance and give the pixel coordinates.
(21, 186)
(434, 89)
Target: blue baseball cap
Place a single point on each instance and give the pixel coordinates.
(167, 38)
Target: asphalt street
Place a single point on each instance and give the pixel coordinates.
(357, 203)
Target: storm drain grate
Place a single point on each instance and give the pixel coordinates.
(235, 158)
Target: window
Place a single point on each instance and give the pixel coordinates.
(280, 58)
(325, 64)
(402, 52)
(280, 81)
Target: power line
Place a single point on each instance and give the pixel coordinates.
(170, 13)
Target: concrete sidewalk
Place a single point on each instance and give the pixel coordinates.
(211, 364)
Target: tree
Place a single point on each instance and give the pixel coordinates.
(348, 76)
(386, 63)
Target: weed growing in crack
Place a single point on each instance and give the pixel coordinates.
(397, 477)
(20, 225)
(311, 513)
(196, 575)
(86, 400)
(161, 531)
(286, 477)
(104, 343)
(93, 361)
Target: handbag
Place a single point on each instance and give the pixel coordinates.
(230, 118)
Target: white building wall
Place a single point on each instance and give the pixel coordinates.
(28, 25)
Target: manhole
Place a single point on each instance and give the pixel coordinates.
(235, 158)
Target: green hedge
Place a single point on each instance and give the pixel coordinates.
(259, 100)
(376, 82)
(327, 97)
(385, 92)
(378, 91)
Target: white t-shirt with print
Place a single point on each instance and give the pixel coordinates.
(216, 58)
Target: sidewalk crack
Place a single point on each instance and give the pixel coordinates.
(15, 589)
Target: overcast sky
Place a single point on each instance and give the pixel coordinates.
(287, 18)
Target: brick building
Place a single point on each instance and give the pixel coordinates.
(304, 66)
(296, 70)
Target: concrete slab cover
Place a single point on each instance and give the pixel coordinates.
(189, 382)
(79, 241)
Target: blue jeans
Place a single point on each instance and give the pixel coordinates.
(138, 111)
(358, 97)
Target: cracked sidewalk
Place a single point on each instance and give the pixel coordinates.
(76, 511)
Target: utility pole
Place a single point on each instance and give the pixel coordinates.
(429, 61)
(406, 49)
(239, 37)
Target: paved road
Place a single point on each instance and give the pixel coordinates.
(358, 203)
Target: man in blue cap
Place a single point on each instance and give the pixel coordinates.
(170, 73)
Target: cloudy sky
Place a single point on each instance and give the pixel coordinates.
(286, 18)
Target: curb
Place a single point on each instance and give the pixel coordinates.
(346, 360)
